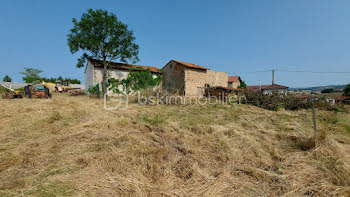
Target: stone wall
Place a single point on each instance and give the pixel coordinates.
(234, 84)
(196, 80)
(217, 78)
(89, 75)
(182, 80)
(174, 78)
(113, 73)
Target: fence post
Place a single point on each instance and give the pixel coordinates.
(313, 114)
(127, 96)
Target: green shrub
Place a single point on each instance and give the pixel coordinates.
(243, 85)
(339, 109)
(347, 90)
(276, 102)
(94, 89)
(4, 90)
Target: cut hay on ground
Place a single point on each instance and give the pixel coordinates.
(71, 146)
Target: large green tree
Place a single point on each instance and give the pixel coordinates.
(100, 35)
(31, 75)
(7, 79)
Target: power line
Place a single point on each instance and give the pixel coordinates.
(319, 72)
(251, 72)
(296, 71)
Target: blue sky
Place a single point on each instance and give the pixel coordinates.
(237, 36)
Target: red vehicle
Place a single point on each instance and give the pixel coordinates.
(37, 91)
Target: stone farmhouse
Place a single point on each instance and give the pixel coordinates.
(179, 77)
(94, 71)
(190, 79)
(234, 81)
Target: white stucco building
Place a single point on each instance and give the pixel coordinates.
(94, 72)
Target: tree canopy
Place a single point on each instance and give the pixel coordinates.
(100, 35)
(31, 75)
(7, 79)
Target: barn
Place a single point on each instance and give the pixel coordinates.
(94, 71)
(189, 79)
(234, 81)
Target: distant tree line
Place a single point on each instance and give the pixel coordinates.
(32, 75)
(328, 90)
(60, 78)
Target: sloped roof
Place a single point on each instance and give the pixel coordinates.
(268, 87)
(342, 98)
(190, 65)
(123, 66)
(233, 78)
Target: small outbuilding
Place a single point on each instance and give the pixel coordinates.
(234, 81)
(189, 79)
(94, 71)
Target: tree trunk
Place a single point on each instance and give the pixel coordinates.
(104, 78)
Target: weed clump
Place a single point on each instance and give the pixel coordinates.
(55, 116)
(154, 120)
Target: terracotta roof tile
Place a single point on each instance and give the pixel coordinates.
(123, 66)
(233, 78)
(342, 98)
(190, 65)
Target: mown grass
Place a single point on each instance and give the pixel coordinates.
(51, 189)
(154, 120)
(71, 146)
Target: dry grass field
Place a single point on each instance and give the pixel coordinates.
(71, 146)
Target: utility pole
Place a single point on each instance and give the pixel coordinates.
(260, 85)
(313, 114)
(273, 80)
